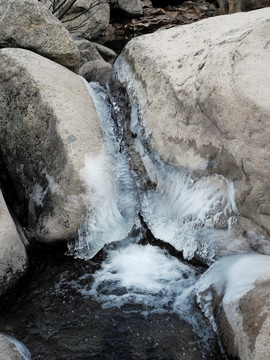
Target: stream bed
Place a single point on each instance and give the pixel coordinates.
(117, 292)
(131, 301)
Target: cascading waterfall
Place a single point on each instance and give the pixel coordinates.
(146, 279)
(114, 200)
(176, 211)
(182, 203)
(133, 300)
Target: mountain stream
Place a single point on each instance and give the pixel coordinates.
(125, 288)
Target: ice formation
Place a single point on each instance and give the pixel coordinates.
(113, 207)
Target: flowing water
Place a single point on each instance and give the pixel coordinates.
(118, 295)
(132, 301)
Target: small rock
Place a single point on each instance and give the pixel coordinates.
(98, 70)
(88, 51)
(131, 7)
(107, 54)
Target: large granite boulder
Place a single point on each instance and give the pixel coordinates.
(234, 294)
(48, 125)
(28, 24)
(202, 102)
(13, 257)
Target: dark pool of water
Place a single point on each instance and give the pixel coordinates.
(59, 323)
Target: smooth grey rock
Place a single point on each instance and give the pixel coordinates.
(88, 51)
(131, 7)
(107, 54)
(48, 126)
(146, 3)
(29, 25)
(98, 70)
(13, 257)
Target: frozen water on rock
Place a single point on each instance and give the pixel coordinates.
(231, 277)
(234, 275)
(182, 203)
(113, 208)
(38, 194)
(20, 347)
(180, 206)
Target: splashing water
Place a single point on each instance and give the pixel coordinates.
(140, 279)
(114, 201)
(145, 280)
(143, 275)
(175, 211)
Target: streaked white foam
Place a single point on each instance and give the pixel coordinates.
(180, 206)
(113, 199)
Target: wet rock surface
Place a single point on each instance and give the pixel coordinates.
(13, 257)
(47, 129)
(8, 349)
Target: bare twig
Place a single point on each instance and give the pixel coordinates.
(60, 9)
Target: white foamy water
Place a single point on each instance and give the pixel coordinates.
(143, 275)
(145, 280)
(113, 199)
(182, 203)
